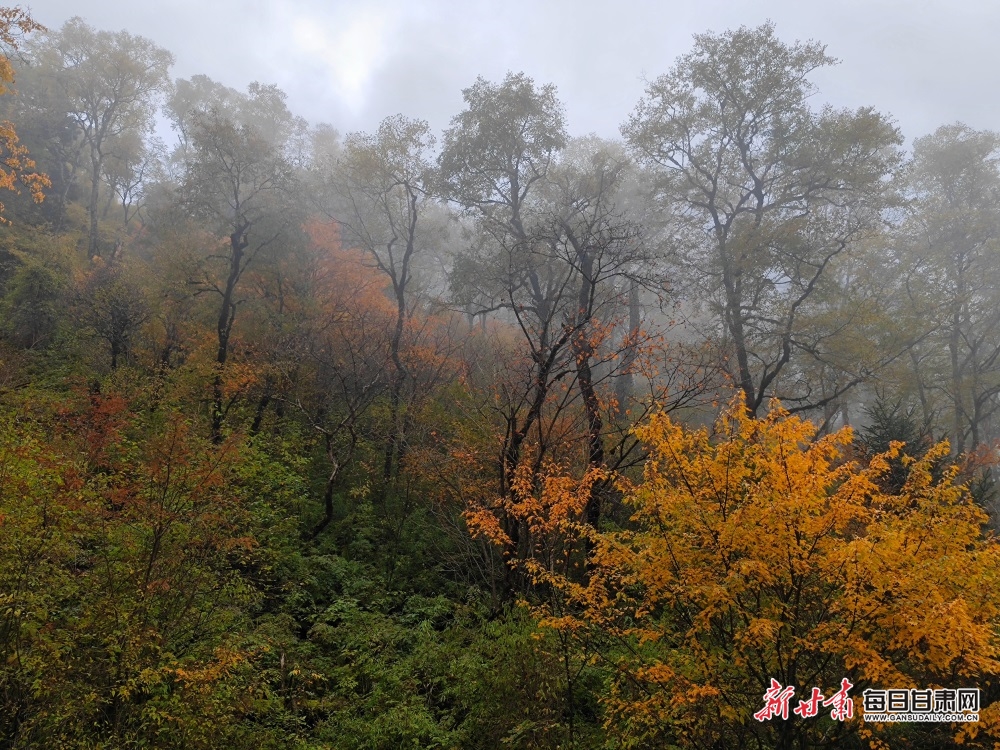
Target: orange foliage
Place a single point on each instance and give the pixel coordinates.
(342, 275)
(356, 299)
(759, 552)
(15, 164)
(550, 508)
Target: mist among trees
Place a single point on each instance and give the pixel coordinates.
(500, 436)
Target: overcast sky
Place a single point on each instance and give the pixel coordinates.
(925, 62)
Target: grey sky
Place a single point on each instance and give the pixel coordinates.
(925, 62)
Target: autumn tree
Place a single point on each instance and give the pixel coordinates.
(549, 251)
(769, 193)
(41, 110)
(757, 551)
(552, 254)
(493, 157)
(344, 361)
(16, 167)
(498, 162)
(239, 179)
(128, 574)
(381, 185)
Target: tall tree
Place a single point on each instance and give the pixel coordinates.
(769, 191)
(551, 254)
(494, 155)
(382, 182)
(240, 181)
(602, 252)
(16, 167)
(113, 82)
(949, 243)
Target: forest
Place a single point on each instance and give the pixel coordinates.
(494, 437)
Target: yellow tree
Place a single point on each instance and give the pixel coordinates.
(16, 168)
(759, 552)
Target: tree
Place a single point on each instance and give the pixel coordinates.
(115, 307)
(15, 165)
(757, 552)
(552, 255)
(768, 192)
(41, 110)
(382, 182)
(604, 251)
(947, 248)
(239, 179)
(112, 82)
(31, 306)
(189, 99)
(133, 555)
(134, 163)
(494, 154)
(344, 363)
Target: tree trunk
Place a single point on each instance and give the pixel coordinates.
(625, 382)
(394, 440)
(957, 386)
(94, 250)
(265, 401)
(583, 352)
(224, 327)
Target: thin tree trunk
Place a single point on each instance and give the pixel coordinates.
(94, 249)
(262, 405)
(625, 382)
(957, 386)
(583, 352)
(395, 438)
(224, 326)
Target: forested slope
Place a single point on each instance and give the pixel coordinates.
(493, 437)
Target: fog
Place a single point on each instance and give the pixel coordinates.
(497, 376)
(351, 64)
